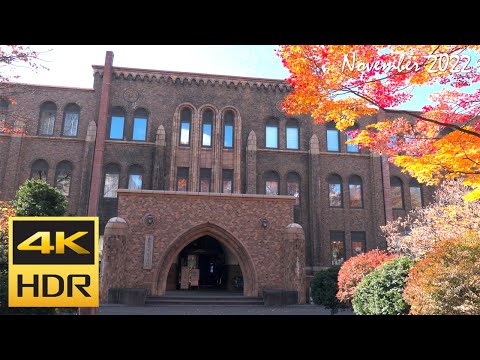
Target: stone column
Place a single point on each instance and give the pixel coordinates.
(252, 163)
(193, 177)
(237, 183)
(294, 261)
(112, 274)
(10, 177)
(158, 178)
(88, 149)
(314, 210)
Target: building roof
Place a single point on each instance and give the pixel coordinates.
(207, 79)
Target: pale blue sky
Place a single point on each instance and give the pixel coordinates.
(70, 65)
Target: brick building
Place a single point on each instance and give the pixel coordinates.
(213, 168)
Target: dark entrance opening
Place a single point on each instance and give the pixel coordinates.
(202, 265)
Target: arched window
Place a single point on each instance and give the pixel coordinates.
(39, 170)
(356, 191)
(335, 191)
(271, 134)
(63, 177)
(185, 123)
(228, 123)
(272, 182)
(140, 121)
(70, 120)
(352, 148)
(135, 177)
(112, 177)
(293, 186)
(117, 125)
(207, 127)
(292, 134)
(396, 188)
(415, 194)
(333, 137)
(48, 112)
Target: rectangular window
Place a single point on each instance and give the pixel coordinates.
(207, 135)
(139, 129)
(205, 180)
(397, 198)
(416, 197)
(111, 185)
(292, 138)
(335, 195)
(271, 137)
(351, 148)
(358, 242)
(46, 123)
(333, 141)
(228, 136)
(355, 195)
(185, 133)
(182, 179)
(271, 187)
(227, 181)
(135, 182)
(116, 127)
(337, 246)
(71, 124)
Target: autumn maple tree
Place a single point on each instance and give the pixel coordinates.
(342, 83)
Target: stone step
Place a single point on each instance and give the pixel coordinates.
(203, 300)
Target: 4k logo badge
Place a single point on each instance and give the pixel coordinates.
(53, 262)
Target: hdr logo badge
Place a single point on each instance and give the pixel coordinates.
(53, 262)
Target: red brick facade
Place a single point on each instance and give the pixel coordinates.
(162, 95)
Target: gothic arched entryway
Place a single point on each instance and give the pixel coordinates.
(211, 243)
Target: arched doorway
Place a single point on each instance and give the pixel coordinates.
(215, 242)
(205, 264)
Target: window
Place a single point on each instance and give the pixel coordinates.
(70, 120)
(293, 186)
(39, 170)
(228, 122)
(333, 137)
(352, 148)
(355, 190)
(63, 177)
(358, 242)
(337, 246)
(292, 134)
(396, 187)
(117, 124)
(335, 191)
(207, 126)
(272, 181)
(140, 121)
(185, 121)
(48, 112)
(135, 177)
(182, 179)
(392, 143)
(227, 181)
(415, 194)
(205, 180)
(3, 112)
(112, 177)
(271, 134)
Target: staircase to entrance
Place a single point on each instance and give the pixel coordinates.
(205, 297)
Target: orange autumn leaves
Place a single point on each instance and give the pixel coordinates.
(342, 83)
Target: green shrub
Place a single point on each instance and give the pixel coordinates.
(324, 287)
(381, 291)
(38, 198)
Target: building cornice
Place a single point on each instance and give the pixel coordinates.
(194, 78)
